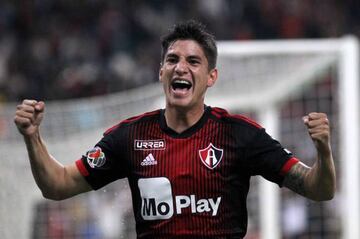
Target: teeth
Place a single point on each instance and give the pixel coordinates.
(182, 82)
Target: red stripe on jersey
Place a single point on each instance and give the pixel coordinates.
(111, 129)
(216, 114)
(218, 111)
(81, 167)
(131, 120)
(288, 165)
(250, 121)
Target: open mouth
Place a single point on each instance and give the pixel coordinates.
(181, 85)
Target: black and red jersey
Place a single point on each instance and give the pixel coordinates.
(188, 185)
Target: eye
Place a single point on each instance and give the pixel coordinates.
(194, 62)
(171, 59)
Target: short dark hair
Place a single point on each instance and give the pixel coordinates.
(191, 30)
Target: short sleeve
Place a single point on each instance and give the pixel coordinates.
(102, 164)
(266, 157)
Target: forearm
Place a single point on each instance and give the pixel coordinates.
(317, 182)
(48, 173)
(321, 180)
(54, 180)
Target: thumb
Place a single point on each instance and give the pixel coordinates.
(306, 120)
(40, 107)
(39, 112)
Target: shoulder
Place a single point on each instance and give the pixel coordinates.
(238, 119)
(133, 120)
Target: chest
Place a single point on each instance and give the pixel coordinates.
(174, 175)
(196, 157)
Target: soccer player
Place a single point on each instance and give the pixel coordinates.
(188, 165)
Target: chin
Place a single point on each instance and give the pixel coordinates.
(183, 103)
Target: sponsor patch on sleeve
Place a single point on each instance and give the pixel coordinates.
(95, 157)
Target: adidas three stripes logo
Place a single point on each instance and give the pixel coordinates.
(149, 160)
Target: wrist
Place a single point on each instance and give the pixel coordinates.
(324, 150)
(32, 138)
(323, 146)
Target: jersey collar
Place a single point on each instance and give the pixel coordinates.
(190, 131)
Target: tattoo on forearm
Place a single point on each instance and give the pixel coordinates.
(295, 178)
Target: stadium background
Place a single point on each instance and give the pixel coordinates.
(59, 51)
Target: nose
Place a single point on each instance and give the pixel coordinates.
(181, 67)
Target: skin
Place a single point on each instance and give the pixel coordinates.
(319, 181)
(184, 60)
(55, 180)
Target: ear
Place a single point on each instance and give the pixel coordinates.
(213, 75)
(160, 72)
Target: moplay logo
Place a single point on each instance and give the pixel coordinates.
(156, 196)
(197, 206)
(157, 200)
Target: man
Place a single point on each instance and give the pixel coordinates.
(188, 165)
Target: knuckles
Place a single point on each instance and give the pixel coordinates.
(316, 115)
(315, 122)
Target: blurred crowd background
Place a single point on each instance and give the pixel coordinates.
(69, 49)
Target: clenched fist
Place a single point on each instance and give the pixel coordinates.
(319, 129)
(28, 116)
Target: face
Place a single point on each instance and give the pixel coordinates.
(185, 75)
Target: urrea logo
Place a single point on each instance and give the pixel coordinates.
(157, 200)
(151, 144)
(95, 157)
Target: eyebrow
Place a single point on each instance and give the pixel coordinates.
(171, 55)
(196, 57)
(192, 57)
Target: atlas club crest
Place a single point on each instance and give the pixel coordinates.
(211, 156)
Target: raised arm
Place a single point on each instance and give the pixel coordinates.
(55, 180)
(319, 181)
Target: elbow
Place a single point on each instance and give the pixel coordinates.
(329, 196)
(55, 196)
(50, 196)
(323, 198)
(325, 190)
(324, 195)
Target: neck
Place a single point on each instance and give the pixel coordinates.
(180, 120)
